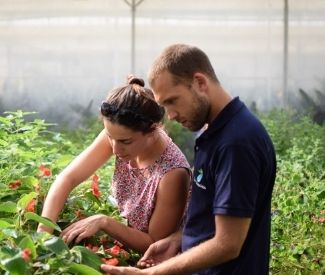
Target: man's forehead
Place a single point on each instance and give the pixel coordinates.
(162, 86)
(164, 78)
(159, 96)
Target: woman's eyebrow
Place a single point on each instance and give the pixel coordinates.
(125, 139)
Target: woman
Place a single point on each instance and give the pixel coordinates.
(151, 177)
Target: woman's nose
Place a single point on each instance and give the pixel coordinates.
(116, 148)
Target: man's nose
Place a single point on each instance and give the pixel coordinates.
(172, 115)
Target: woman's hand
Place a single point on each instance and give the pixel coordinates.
(83, 229)
(44, 228)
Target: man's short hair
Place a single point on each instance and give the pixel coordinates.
(182, 62)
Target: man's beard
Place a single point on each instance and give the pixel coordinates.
(199, 115)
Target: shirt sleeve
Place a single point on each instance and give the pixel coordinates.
(236, 178)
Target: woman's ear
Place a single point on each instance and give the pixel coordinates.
(153, 128)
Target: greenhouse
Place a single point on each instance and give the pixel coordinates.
(66, 71)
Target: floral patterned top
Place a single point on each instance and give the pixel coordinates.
(135, 188)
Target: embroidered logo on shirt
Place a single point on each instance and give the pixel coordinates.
(199, 178)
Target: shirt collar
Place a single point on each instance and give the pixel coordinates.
(223, 117)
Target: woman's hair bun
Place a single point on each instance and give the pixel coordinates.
(135, 80)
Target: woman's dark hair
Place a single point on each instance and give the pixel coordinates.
(133, 106)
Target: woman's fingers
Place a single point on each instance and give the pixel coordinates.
(74, 232)
(71, 235)
(82, 229)
(81, 236)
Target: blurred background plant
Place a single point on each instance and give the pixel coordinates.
(315, 106)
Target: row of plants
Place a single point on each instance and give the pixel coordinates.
(31, 156)
(298, 206)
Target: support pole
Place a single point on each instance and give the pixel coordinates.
(133, 4)
(285, 52)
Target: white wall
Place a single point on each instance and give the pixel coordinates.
(54, 54)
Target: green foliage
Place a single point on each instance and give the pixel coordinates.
(85, 133)
(316, 108)
(298, 207)
(30, 158)
(182, 137)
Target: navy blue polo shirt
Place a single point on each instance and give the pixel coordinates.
(234, 174)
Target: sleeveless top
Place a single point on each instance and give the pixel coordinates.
(135, 188)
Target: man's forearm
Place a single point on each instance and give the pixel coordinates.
(203, 256)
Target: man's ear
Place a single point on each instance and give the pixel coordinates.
(201, 81)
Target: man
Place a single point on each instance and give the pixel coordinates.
(227, 230)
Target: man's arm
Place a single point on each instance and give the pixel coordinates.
(224, 246)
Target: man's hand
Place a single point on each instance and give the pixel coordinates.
(119, 270)
(83, 229)
(161, 251)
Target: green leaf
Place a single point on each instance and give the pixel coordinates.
(3, 120)
(321, 195)
(3, 143)
(15, 265)
(89, 195)
(3, 186)
(88, 257)
(7, 251)
(31, 181)
(43, 220)
(8, 206)
(82, 269)
(56, 245)
(27, 242)
(10, 232)
(63, 161)
(4, 224)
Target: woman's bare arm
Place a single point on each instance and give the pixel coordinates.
(172, 196)
(81, 168)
